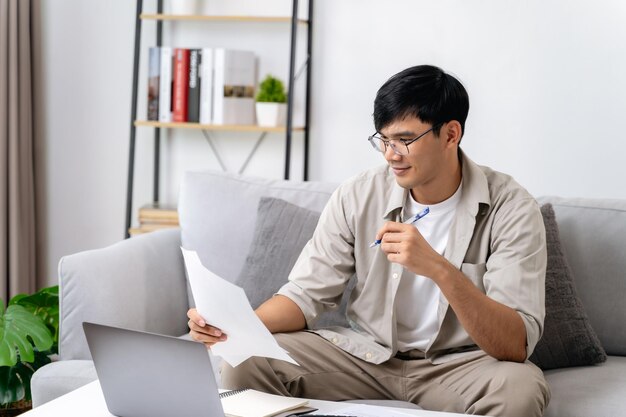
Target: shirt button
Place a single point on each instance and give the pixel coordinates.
(368, 355)
(395, 276)
(334, 340)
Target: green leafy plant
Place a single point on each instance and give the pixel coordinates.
(271, 90)
(29, 333)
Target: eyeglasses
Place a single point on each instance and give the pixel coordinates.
(399, 146)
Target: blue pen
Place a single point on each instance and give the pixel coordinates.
(416, 218)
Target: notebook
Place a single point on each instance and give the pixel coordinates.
(151, 375)
(252, 403)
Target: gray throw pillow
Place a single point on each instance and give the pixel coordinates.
(568, 339)
(281, 231)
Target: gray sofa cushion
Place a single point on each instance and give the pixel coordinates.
(568, 339)
(59, 378)
(282, 229)
(588, 390)
(218, 213)
(137, 283)
(593, 234)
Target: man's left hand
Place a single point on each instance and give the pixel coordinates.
(405, 245)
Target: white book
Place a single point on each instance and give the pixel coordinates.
(233, 87)
(206, 86)
(165, 85)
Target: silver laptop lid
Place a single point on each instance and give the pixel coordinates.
(145, 374)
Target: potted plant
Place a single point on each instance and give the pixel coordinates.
(29, 333)
(271, 99)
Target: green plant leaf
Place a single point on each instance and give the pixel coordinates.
(18, 328)
(16, 299)
(271, 90)
(15, 382)
(44, 304)
(11, 387)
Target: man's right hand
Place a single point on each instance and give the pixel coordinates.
(200, 331)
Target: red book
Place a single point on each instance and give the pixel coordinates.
(180, 88)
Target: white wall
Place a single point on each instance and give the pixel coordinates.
(84, 106)
(544, 78)
(545, 82)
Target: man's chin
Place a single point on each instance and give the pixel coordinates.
(404, 182)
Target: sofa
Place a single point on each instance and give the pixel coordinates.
(140, 283)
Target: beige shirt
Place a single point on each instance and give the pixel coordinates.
(497, 240)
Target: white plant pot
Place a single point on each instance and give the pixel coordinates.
(184, 7)
(271, 114)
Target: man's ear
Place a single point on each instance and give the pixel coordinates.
(453, 133)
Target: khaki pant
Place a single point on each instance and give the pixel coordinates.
(475, 384)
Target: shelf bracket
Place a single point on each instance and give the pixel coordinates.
(209, 139)
(252, 152)
(215, 151)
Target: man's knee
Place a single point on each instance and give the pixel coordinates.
(252, 373)
(515, 389)
(233, 378)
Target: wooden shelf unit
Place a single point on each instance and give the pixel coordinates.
(257, 19)
(293, 21)
(227, 128)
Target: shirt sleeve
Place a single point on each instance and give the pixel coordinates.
(326, 264)
(516, 268)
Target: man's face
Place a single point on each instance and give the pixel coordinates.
(426, 161)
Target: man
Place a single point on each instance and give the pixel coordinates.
(449, 299)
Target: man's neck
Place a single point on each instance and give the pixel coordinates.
(438, 191)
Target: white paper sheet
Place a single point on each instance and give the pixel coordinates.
(225, 306)
(363, 410)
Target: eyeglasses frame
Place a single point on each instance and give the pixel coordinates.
(406, 142)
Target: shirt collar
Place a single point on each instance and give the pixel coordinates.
(475, 197)
(475, 194)
(397, 198)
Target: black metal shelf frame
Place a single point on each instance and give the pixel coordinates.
(157, 131)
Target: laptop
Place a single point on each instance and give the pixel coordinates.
(151, 375)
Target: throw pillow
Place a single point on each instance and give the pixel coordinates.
(568, 338)
(281, 231)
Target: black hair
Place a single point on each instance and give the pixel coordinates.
(423, 91)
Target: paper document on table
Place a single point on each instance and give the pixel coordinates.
(225, 306)
(363, 410)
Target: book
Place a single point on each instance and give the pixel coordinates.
(180, 86)
(252, 403)
(147, 228)
(158, 213)
(206, 86)
(154, 71)
(233, 87)
(193, 95)
(165, 85)
(147, 221)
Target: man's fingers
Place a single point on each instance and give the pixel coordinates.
(390, 228)
(195, 317)
(206, 339)
(208, 330)
(208, 335)
(200, 331)
(390, 247)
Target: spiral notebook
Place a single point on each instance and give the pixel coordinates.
(252, 403)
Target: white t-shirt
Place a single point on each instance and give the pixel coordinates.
(418, 297)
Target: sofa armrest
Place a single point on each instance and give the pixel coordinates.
(138, 283)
